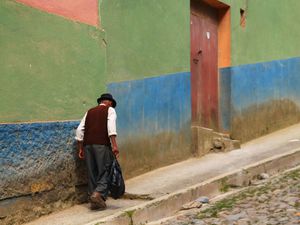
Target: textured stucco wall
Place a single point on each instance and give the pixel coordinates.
(51, 68)
(30, 150)
(154, 116)
(260, 98)
(40, 170)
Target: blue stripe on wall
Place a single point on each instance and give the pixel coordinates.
(247, 85)
(153, 105)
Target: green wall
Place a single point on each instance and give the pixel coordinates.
(50, 68)
(54, 69)
(146, 38)
(272, 30)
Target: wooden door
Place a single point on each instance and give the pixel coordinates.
(204, 64)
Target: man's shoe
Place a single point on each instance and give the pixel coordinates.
(93, 206)
(97, 200)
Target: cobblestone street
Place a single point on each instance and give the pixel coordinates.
(274, 200)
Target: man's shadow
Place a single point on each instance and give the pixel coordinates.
(80, 179)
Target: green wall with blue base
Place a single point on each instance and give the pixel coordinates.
(259, 98)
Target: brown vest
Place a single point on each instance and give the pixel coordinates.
(95, 131)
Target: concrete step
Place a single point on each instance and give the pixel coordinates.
(223, 143)
(205, 140)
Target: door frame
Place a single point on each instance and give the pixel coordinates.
(224, 46)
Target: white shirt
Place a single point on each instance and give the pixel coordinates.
(111, 124)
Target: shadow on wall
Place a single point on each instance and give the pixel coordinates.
(259, 120)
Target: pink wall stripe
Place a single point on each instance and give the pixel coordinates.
(85, 11)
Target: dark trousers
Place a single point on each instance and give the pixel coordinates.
(98, 160)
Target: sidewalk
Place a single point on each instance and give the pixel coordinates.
(161, 182)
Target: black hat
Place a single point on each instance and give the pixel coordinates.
(107, 96)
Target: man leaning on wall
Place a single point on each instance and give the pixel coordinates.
(96, 138)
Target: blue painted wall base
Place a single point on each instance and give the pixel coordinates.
(257, 99)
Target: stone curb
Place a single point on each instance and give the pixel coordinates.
(229, 194)
(167, 205)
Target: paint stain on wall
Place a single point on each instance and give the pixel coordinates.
(146, 153)
(264, 118)
(85, 11)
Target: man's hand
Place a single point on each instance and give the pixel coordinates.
(80, 150)
(81, 153)
(115, 150)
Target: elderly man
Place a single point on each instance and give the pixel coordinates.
(96, 137)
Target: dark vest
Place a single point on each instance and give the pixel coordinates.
(95, 131)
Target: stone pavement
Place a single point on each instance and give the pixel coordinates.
(166, 180)
(274, 201)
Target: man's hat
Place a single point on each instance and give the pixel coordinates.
(107, 96)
